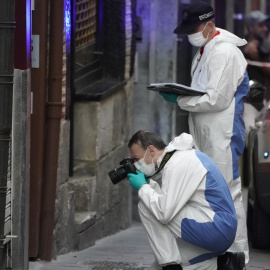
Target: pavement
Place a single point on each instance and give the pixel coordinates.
(126, 250)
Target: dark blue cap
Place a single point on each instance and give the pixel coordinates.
(193, 15)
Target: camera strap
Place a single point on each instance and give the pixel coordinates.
(163, 162)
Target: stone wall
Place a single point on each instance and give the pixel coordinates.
(20, 168)
(101, 132)
(88, 205)
(156, 62)
(65, 232)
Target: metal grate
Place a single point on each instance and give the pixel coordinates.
(116, 268)
(85, 22)
(106, 265)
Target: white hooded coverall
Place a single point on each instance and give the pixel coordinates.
(191, 218)
(215, 119)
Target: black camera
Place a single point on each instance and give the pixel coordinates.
(121, 173)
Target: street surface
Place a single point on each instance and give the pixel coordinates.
(127, 250)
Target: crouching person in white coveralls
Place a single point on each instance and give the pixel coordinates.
(190, 219)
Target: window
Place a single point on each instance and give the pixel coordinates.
(99, 48)
(86, 25)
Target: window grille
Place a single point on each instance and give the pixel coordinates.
(85, 22)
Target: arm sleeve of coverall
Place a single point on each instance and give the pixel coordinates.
(154, 185)
(178, 185)
(225, 71)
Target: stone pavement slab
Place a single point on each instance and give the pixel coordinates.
(126, 250)
(259, 260)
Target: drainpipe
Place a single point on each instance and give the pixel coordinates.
(7, 28)
(38, 86)
(53, 119)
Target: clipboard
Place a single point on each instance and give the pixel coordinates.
(175, 88)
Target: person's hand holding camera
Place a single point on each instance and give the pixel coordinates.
(136, 180)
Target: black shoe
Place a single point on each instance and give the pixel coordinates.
(172, 267)
(231, 261)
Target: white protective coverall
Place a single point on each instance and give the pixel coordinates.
(191, 218)
(215, 119)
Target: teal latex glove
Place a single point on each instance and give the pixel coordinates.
(136, 180)
(169, 97)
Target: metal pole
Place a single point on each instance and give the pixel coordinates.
(229, 15)
(7, 28)
(263, 6)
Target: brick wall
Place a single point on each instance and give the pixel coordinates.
(128, 33)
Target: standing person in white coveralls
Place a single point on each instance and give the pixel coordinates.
(190, 219)
(215, 118)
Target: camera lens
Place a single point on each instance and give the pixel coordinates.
(117, 175)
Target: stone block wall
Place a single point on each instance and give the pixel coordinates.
(101, 133)
(88, 205)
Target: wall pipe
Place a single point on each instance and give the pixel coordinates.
(53, 119)
(38, 86)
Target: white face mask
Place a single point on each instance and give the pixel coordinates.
(198, 39)
(146, 169)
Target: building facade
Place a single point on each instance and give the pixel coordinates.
(73, 91)
(72, 118)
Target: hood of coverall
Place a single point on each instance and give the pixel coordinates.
(226, 36)
(182, 142)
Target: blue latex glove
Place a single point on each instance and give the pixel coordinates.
(136, 180)
(169, 97)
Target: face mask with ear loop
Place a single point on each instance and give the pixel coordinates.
(198, 39)
(146, 169)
